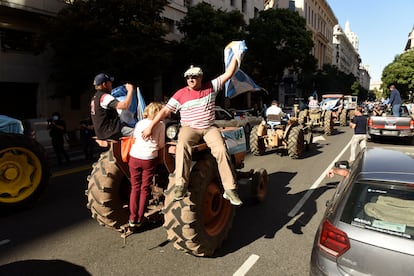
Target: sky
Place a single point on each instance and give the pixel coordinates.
(382, 28)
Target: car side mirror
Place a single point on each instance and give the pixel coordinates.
(342, 164)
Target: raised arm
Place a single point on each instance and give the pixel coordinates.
(231, 69)
(165, 112)
(128, 99)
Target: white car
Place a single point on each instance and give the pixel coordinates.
(225, 119)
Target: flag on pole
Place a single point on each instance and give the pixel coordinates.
(240, 82)
(140, 105)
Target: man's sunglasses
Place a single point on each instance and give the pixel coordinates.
(192, 77)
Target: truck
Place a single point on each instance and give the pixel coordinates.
(200, 222)
(388, 125)
(24, 166)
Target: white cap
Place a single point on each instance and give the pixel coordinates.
(193, 71)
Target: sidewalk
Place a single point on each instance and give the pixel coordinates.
(76, 156)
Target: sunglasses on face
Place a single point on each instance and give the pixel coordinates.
(191, 77)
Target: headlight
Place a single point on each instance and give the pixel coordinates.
(172, 132)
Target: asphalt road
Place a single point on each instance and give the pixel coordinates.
(57, 236)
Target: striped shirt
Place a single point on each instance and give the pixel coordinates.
(196, 106)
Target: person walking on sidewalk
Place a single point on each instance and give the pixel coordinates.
(196, 103)
(359, 124)
(57, 130)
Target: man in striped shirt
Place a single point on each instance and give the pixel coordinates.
(196, 104)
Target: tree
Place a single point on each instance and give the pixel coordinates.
(277, 39)
(401, 73)
(121, 37)
(206, 33)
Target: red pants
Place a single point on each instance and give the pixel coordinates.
(142, 174)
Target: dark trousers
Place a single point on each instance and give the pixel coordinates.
(142, 174)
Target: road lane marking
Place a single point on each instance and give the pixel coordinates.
(316, 184)
(247, 265)
(73, 170)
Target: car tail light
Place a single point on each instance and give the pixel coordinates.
(332, 240)
(411, 124)
(370, 122)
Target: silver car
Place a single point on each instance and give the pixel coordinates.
(368, 226)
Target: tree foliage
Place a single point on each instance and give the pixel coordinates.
(277, 39)
(401, 73)
(206, 33)
(121, 37)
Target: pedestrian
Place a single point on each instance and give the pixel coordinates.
(395, 100)
(105, 109)
(57, 131)
(196, 103)
(143, 161)
(359, 124)
(86, 136)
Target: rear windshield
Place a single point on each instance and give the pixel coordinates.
(381, 207)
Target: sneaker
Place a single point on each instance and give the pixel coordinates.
(233, 197)
(134, 224)
(179, 192)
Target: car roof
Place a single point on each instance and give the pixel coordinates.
(395, 164)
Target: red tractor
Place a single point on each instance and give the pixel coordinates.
(197, 224)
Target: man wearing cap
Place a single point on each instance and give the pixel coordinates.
(105, 109)
(196, 104)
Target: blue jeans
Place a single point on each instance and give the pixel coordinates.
(396, 110)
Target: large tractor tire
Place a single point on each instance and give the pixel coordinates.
(328, 123)
(108, 193)
(260, 180)
(303, 117)
(200, 222)
(296, 142)
(343, 118)
(257, 143)
(24, 171)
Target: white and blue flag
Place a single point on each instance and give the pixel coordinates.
(240, 82)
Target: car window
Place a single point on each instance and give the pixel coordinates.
(385, 208)
(221, 115)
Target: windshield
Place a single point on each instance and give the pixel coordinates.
(382, 207)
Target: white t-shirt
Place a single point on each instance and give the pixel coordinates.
(274, 110)
(148, 149)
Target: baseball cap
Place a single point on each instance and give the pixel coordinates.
(101, 78)
(193, 71)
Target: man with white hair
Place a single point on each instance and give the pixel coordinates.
(196, 103)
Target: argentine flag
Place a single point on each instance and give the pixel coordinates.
(135, 111)
(240, 82)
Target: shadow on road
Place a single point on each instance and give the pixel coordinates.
(253, 222)
(43, 267)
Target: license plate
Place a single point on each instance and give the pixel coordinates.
(390, 126)
(390, 133)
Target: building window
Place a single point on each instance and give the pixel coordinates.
(243, 6)
(256, 12)
(292, 5)
(232, 3)
(187, 3)
(12, 40)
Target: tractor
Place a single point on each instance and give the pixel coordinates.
(278, 134)
(325, 117)
(24, 167)
(197, 224)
